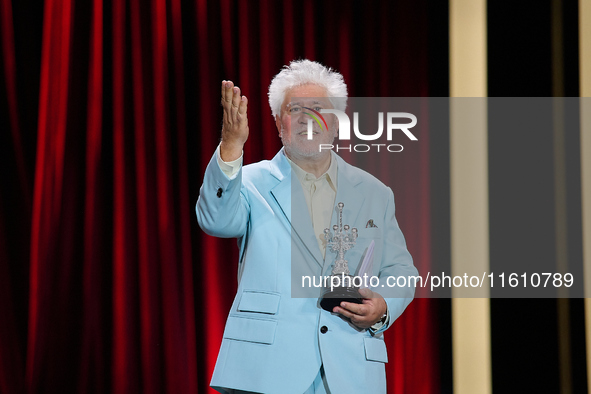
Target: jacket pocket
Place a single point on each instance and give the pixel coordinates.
(250, 330)
(375, 350)
(370, 233)
(259, 301)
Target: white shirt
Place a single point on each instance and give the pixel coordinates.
(320, 194)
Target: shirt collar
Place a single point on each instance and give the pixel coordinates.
(306, 177)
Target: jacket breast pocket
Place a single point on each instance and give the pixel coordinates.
(375, 350)
(259, 302)
(250, 330)
(374, 233)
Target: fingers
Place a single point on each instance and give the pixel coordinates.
(362, 315)
(227, 94)
(235, 100)
(351, 310)
(243, 105)
(344, 312)
(223, 92)
(235, 105)
(357, 313)
(357, 309)
(367, 293)
(232, 101)
(241, 115)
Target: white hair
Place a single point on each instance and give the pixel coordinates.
(304, 72)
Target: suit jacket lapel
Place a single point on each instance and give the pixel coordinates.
(280, 169)
(290, 197)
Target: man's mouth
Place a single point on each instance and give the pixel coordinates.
(305, 132)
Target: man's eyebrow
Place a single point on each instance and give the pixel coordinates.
(313, 102)
(299, 103)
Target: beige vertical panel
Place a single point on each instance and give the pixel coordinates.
(585, 91)
(467, 40)
(469, 194)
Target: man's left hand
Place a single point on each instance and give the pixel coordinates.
(367, 314)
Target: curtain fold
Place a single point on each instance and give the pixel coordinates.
(106, 282)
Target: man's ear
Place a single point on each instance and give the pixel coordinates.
(335, 126)
(278, 124)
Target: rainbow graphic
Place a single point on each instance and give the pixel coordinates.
(316, 117)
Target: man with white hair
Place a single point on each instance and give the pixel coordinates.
(274, 342)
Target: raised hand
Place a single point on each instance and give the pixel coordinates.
(235, 123)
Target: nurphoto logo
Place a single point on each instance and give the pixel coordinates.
(345, 129)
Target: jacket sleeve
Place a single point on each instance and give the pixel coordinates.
(396, 263)
(222, 207)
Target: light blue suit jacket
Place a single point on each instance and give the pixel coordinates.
(273, 342)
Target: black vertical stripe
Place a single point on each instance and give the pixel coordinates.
(525, 334)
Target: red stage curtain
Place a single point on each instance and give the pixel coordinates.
(106, 282)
